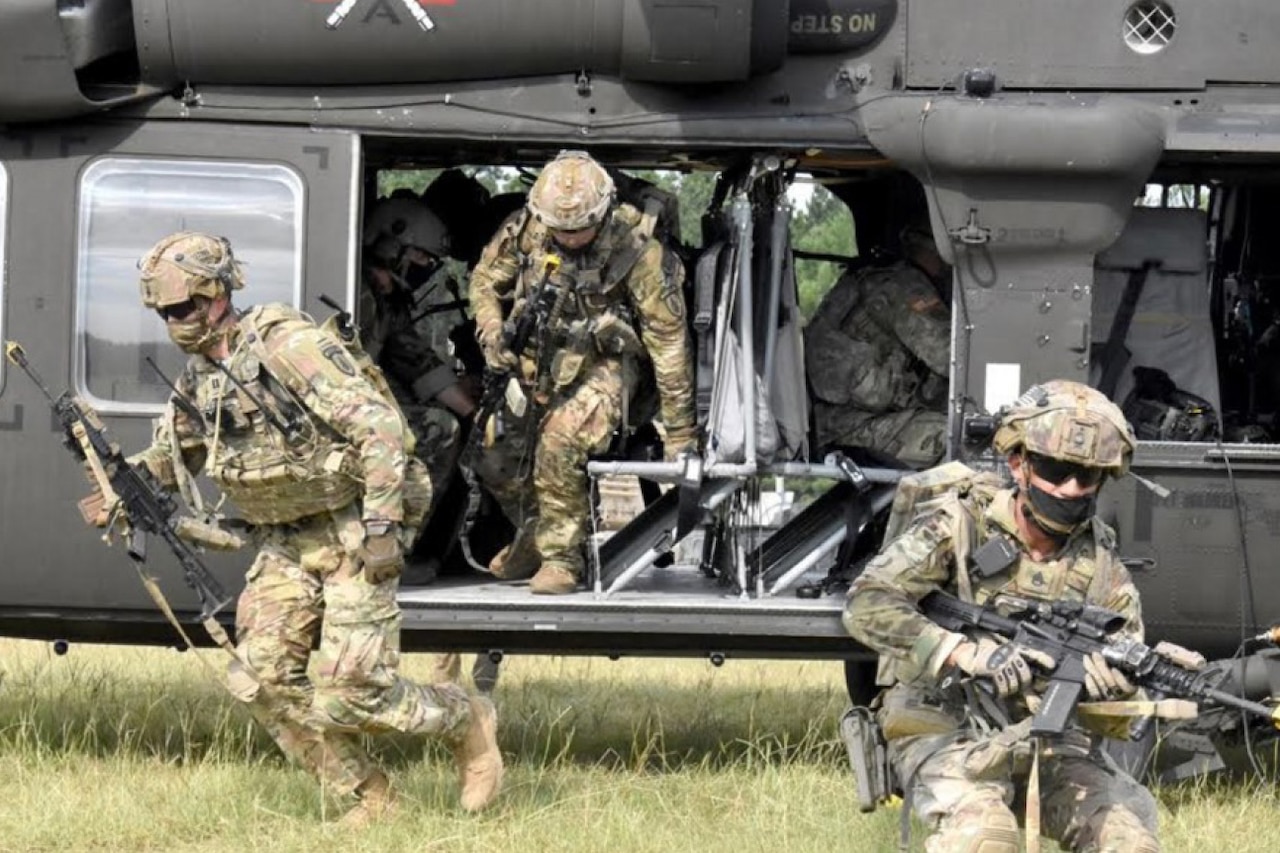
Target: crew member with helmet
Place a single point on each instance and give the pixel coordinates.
(332, 500)
(1063, 440)
(405, 246)
(619, 297)
(878, 353)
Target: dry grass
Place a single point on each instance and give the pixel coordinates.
(113, 748)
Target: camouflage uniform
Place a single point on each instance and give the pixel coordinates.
(577, 391)
(305, 581)
(961, 778)
(878, 353)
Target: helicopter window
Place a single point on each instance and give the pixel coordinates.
(126, 205)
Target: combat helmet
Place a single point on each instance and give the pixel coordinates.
(187, 264)
(1068, 421)
(572, 193)
(395, 224)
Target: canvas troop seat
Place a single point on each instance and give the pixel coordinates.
(1172, 326)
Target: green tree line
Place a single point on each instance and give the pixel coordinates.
(820, 222)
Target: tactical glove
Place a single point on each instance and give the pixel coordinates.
(1102, 682)
(381, 555)
(1005, 664)
(496, 354)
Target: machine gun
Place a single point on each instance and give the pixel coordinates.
(517, 332)
(1068, 632)
(145, 506)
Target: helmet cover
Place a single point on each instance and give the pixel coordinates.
(187, 264)
(1068, 421)
(572, 193)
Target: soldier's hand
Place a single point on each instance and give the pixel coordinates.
(381, 555)
(1005, 664)
(94, 509)
(1102, 682)
(496, 355)
(680, 441)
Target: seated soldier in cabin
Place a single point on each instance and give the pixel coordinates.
(878, 353)
(405, 243)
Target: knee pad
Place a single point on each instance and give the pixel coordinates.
(990, 830)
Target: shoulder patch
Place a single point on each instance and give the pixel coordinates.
(337, 356)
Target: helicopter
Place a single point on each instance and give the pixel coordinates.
(1099, 175)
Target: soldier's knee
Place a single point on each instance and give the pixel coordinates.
(1114, 829)
(985, 826)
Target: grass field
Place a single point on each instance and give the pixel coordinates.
(111, 748)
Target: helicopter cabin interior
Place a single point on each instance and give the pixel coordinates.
(1185, 336)
(643, 554)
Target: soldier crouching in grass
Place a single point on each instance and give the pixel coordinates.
(960, 770)
(316, 458)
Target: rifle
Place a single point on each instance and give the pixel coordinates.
(517, 331)
(146, 506)
(1068, 632)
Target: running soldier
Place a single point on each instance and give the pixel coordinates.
(318, 460)
(618, 298)
(960, 772)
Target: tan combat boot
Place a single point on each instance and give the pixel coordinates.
(554, 579)
(446, 668)
(377, 802)
(478, 757)
(515, 562)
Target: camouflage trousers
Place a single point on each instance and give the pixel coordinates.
(916, 436)
(972, 792)
(548, 492)
(304, 585)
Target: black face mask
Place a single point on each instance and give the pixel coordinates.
(1058, 517)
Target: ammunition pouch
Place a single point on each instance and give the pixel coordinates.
(869, 757)
(908, 713)
(567, 363)
(270, 488)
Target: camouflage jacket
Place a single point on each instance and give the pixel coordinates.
(622, 273)
(932, 554)
(349, 443)
(414, 370)
(880, 341)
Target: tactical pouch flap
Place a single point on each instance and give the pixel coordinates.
(907, 713)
